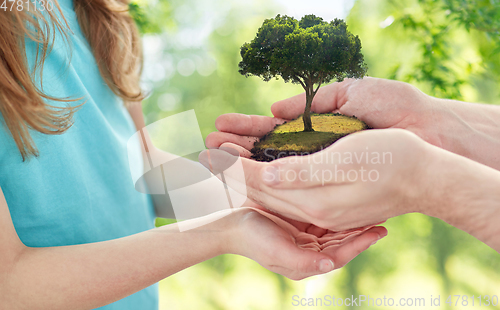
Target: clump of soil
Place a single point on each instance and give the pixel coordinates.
(289, 139)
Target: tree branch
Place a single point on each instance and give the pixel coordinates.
(299, 75)
(319, 85)
(301, 82)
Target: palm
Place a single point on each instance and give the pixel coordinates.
(289, 245)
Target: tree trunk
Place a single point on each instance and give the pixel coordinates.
(306, 117)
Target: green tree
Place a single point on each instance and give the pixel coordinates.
(309, 52)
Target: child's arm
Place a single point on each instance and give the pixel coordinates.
(92, 275)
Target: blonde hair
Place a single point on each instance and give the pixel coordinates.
(115, 42)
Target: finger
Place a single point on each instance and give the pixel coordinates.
(241, 150)
(300, 225)
(247, 125)
(301, 172)
(276, 205)
(216, 139)
(289, 108)
(300, 263)
(331, 167)
(218, 161)
(345, 253)
(316, 231)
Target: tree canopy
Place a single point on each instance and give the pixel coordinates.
(307, 52)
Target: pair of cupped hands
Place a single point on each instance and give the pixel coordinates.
(304, 216)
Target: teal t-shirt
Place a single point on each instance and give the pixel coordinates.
(79, 190)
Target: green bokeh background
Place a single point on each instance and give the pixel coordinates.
(447, 48)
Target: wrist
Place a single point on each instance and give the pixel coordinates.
(215, 232)
(464, 194)
(229, 230)
(449, 128)
(438, 124)
(439, 184)
(467, 129)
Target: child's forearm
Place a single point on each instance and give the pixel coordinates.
(92, 275)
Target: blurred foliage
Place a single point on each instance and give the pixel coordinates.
(151, 18)
(447, 48)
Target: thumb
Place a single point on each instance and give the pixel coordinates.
(328, 99)
(303, 263)
(289, 108)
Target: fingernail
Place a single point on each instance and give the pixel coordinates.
(380, 236)
(326, 265)
(270, 175)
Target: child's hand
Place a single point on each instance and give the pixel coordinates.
(294, 249)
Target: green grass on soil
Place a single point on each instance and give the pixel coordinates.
(328, 128)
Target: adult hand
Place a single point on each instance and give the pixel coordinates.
(467, 129)
(364, 178)
(402, 174)
(294, 249)
(379, 103)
